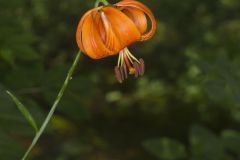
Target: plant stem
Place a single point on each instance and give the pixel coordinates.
(105, 2)
(54, 106)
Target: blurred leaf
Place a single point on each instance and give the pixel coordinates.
(76, 147)
(9, 149)
(24, 111)
(26, 53)
(215, 89)
(7, 56)
(235, 115)
(231, 140)
(205, 145)
(165, 148)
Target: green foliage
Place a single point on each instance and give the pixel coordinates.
(9, 148)
(231, 141)
(205, 145)
(24, 111)
(16, 33)
(192, 80)
(165, 148)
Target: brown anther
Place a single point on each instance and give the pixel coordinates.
(122, 72)
(128, 64)
(135, 65)
(125, 70)
(142, 66)
(118, 74)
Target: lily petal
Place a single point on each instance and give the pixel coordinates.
(138, 17)
(79, 28)
(123, 27)
(91, 39)
(111, 41)
(146, 10)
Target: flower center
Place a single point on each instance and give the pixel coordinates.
(127, 63)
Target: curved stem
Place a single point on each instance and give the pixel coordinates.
(54, 106)
(105, 2)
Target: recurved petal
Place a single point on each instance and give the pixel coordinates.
(138, 17)
(137, 5)
(91, 40)
(79, 31)
(123, 27)
(79, 28)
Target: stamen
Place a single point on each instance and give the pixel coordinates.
(119, 58)
(125, 70)
(122, 58)
(118, 74)
(122, 72)
(142, 65)
(135, 64)
(128, 64)
(130, 54)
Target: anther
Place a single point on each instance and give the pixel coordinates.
(128, 64)
(118, 74)
(142, 66)
(125, 70)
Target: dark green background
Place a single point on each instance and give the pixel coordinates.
(185, 107)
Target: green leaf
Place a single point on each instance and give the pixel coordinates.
(7, 55)
(206, 145)
(165, 148)
(231, 141)
(24, 111)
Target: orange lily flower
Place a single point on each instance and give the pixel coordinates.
(108, 30)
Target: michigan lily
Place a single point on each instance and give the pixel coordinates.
(108, 30)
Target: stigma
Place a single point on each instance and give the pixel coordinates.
(128, 64)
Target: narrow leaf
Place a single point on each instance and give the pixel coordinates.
(24, 111)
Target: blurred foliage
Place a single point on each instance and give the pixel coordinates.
(165, 148)
(187, 105)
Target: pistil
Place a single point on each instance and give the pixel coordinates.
(130, 68)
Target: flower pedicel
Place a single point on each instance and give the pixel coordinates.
(108, 30)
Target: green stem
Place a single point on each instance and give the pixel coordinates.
(54, 106)
(105, 2)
